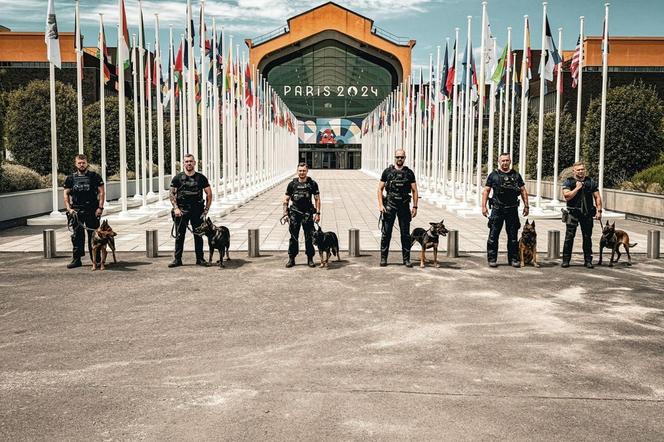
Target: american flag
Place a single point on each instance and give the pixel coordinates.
(576, 63)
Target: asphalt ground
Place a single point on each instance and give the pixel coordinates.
(260, 352)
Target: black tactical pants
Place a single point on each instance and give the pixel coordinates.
(295, 221)
(86, 218)
(392, 212)
(586, 223)
(509, 217)
(189, 216)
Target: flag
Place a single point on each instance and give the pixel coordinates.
(141, 30)
(51, 37)
(488, 58)
(248, 93)
(575, 65)
(605, 33)
(528, 54)
(449, 86)
(102, 54)
(500, 67)
(123, 46)
(550, 56)
(78, 35)
(443, 79)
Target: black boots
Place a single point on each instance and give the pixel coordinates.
(202, 262)
(383, 261)
(291, 262)
(175, 263)
(407, 263)
(310, 262)
(76, 262)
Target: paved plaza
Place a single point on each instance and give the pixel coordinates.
(348, 201)
(356, 352)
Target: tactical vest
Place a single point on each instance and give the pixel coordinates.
(302, 193)
(83, 193)
(398, 185)
(189, 193)
(508, 191)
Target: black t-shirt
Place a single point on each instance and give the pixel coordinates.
(301, 193)
(584, 199)
(84, 189)
(398, 181)
(506, 186)
(190, 188)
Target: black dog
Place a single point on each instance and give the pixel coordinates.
(219, 238)
(613, 238)
(326, 242)
(428, 239)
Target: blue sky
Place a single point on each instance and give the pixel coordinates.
(427, 21)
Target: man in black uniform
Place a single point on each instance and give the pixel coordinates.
(584, 203)
(399, 181)
(507, 186)
(84, 200)
(188, 208)
(301, 213)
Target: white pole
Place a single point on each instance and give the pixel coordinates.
(436, 124)
(468, 111)
(605, 86)
(492, 117)
(171, 91)
(455, 118)
(559, 84)
(102, 101)
(482, 93)
(446, 125)
(79, 80)
(523, 135)
(192, 126)
(540, 131)
(121, 106)
(512, 110)
(137, 142)
(508, 77)
(500, 121)
(215, 111)
(141, 75)
(579, 96)
(204, 101)
(150, 61)
(54, 142)
(160, 113)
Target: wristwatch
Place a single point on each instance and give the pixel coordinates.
(414, 207)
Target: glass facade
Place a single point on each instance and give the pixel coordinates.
(331, 79)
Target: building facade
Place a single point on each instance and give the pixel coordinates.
(331, 66)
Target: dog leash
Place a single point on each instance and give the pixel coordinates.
(73, 223)
(176, 225)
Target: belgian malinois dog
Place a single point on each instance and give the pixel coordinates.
(612, 238)
(428, 239)
(528, 245)
(104, 236)
(328, 243)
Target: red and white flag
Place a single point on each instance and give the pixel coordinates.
(575, 66)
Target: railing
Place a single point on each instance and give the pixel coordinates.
(269, 35)
(403, 41)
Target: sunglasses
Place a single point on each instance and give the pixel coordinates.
(400, 157)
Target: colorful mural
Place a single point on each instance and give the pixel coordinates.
(337, 131)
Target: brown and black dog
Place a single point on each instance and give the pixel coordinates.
(328, 243)
(528, 245)
(104, 237)
(428, 239)
(612, 239)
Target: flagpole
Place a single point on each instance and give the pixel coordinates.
(203, 85)
(500, 121)
(121, 107)
(141, 76)
(436, 125)
(540, 129)
(160, 116)
(215, 110)
(134, 74)
(508, 77)
(482, 93)
(79, 80)
(605, 85)
(468, 110)
(513, 105)
(52, 41)
(192, 129)
(102, 99)
(224, 115)
(171, 91)
(525, 85)
(455, 117)
(559, 84)
(492, 117)
(579, 96)
(150, 61)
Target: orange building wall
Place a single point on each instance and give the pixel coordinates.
(626, 51)
(332, 17)
(30, 47)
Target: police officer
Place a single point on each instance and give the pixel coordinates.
(507, 186)
(584, 203)
(84, 200)
(399, 182)
(301, 213)
(186, 196)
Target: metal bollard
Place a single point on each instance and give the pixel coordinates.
(453, 244)
(253, 247)
(49, 244)
(354, 242)
(553, 249)
(653, 244)
(151, 244)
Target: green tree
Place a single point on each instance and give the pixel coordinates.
(28, 126)
(565, 147)
(634, 132)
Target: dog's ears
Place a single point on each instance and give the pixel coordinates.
(433, 224)
(613, 225)
(114, 234)
(527, 222)
(607, 222)
(533, 223)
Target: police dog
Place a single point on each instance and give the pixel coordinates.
(613, 239)
(326, 242)
(219, 238)
(528, 245)
(103, 237)
(428, 239)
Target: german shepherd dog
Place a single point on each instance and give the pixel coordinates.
(528, 245)
(104, 236)
(428, 239)
(612, 239)
(219, 238)
(326, 242)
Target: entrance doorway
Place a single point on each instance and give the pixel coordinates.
(342, 157)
